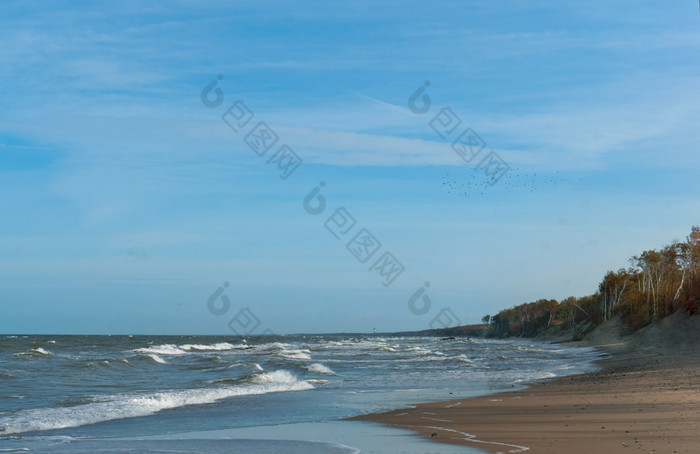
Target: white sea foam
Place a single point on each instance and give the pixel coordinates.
(419, 350)
(171, 349)
(155, 358)
(472, 438)
(536, 376)
(132, 405)
(274, 346)
(165, 349)
(216, 347)
(295, 354)
(321, 369)
(35, 352)
(285, 350)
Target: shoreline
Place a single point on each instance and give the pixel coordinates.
(646, 397)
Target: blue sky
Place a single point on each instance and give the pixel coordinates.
(127, 203)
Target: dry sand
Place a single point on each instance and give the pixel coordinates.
(646, 399)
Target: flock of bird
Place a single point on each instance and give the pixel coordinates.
(472, 184)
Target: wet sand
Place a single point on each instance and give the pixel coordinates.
(646, 399)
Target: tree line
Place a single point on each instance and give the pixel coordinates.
(656, 283)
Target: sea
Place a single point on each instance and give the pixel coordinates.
(223, 394)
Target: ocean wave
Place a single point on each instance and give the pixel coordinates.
(441, 358)
(35, 352)
(294, 354)
(215, 347)
(131, 406)
(419, 350)
(273, 346)
(172, 349)
(333, 343)
(165, 349)
(228, 381)
(529, 349)
(153, 357)
(103, 364)
(535, 376)
(283, 350)
(320, 369)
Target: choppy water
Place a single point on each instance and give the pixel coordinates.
(69, 393)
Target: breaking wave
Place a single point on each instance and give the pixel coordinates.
(123, 406)
(35, 352)
(321, 369)
(171, 349)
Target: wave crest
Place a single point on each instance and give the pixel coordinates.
(132, 406)
(35, 352)
(172, 349)
(321, 369)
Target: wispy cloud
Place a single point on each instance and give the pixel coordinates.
(113, 169)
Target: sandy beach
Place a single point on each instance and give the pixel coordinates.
(645, 399)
